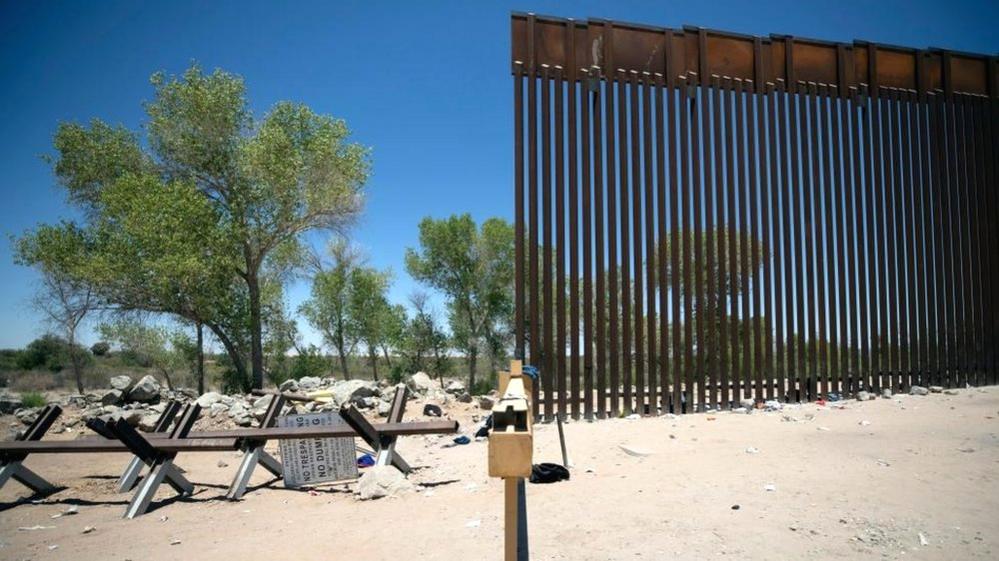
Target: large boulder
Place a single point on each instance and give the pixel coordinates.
(206, 400)
(111, 397)
(353, 391)
(455, 388)
(9, 403)
(146, 390)
(382, 481)
(121, 383)
(289, 385)
(27, 415)
(148, 422)
(421, 383)
(309, 383)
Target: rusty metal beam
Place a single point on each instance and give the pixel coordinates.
(640, 48)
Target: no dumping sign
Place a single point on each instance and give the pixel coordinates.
(308, 461)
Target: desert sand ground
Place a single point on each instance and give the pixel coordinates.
(918, 480)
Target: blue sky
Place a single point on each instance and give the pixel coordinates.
(425, 84)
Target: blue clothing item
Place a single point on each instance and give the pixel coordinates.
(532, 371)
(365, 461)
(462, 440)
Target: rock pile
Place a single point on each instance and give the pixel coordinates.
(140, 402)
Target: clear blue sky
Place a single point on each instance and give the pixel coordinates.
(426, 84)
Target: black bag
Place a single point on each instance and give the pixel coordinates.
(548, 473)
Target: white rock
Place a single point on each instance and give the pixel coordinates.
(454, 387)
(148, 422)
(383, 481)
(122, 383)
(918, 390)
(208, 399)
(309, 383)
(351, 391)
(145, 390)
(421, 383)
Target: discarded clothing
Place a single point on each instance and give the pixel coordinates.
(432, 410)
(462, 440)
(548, 473)
(365, 461)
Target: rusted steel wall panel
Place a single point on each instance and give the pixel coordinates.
(704, 217)
(639, 48)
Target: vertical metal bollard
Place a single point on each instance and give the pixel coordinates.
(511, 445)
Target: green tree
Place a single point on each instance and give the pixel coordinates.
(474, 269)
(328, 308)
(370, 311)
(65, 302)
(194, 225)
(148, 345)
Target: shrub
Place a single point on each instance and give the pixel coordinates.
(32, 399)
(9, 359)
(100, 348)
(33, 381)
(48, 351)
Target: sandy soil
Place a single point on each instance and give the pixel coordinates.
(844, 489)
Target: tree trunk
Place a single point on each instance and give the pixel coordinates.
(74, 359)
(201, 358)
(256, 331)
(373, 355)
(342, 352)
(473, 356)
(238, 361)
(386, 353)
(166, 376)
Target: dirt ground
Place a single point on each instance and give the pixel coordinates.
(905, 478)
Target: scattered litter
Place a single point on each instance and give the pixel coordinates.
(772, 405)
(473, 523)
(966, 450)
(712, 418)
(633, 417)
(834, 397)
(174, 542)
(432, 410)
(752, 450)
(590, 470)
(463, 439)
(736, 507)
(53, 547)
(164, 518)
(88, 529)
(769, 487)
(820, 402)
(826, 429)
(222, 464)
(922, 540)
(864, 423)
(33, 528)
(70, 511)
(365, 461)
(634, 450)
(883, 463)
